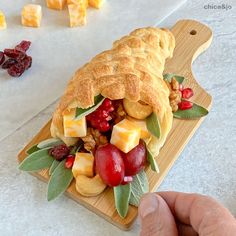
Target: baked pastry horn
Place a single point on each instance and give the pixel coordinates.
(132, 70)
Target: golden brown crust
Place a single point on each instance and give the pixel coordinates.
(132, 69)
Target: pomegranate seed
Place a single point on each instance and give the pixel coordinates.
(59, 152)
(69, 161)
(181, 87)
(23, 46)
(16, 70)
(8, 63)
(2, 58)
(187, 93)
(27, 61)
(127, 179)
(185, 105)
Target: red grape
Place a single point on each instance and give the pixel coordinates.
(110, 165)
(135, 159)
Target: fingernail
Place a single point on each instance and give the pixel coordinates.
(148, 205)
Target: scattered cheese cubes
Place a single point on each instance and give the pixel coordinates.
(31, 15)
(125, 135)
(83, 164)
(56, 4)
(74, 127)
(77, 13)
(95, 3)
(3, 24)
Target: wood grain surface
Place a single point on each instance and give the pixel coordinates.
(192, 38)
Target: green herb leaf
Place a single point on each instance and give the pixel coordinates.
(153, 125)
(37, 161)
(152, 161)
(59, 181)
(139, 186)
(51, 142)
(80, 112)
(122, 196)
(195, 112)
(32, 149)
(53, 166)
(169, 77)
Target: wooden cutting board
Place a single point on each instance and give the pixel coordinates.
(192, 38)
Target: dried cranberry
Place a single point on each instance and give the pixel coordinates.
(69, 161)
(8, 63)
(27, 61)
(187, 93)
(59, 152)
(23, 46)
(16, 70)
(2, 58)
(185, 105)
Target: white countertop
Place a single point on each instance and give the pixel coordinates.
(207, 165)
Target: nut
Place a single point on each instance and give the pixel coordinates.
(89, 187)
(138, 110)
(174, 84)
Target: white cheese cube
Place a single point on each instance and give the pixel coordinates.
(31, 15)
(77, 13)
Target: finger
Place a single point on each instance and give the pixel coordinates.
(186, 230)
(156, 217)
(202, 212)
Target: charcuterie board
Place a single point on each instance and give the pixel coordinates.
(192, 38)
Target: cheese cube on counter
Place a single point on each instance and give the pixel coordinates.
(56, 4)
(145, 134)
(125, 135)
(83, 164)
(77, 13)
(31, 15)
(74, 127)
(95, 3)
(3, 24)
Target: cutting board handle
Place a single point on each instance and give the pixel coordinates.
(192, 38)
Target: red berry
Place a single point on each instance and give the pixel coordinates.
(59, 152)
(185, 105)
(135, 159)
(187, 93)
(8, 63)
(69, 161)
(23, 46)
(127, 179)
(16, 70)
(110, 165)
(2, 58)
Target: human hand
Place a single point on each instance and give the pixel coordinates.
(173, 214)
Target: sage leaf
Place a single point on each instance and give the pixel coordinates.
(169, 77)
(195, 112)
(32, 149)
(152, 161)
(51, 142)
(139, 186)
(37, 161)
(122, 196)
(153, 125)
(59, 181)
(53, 166)
(80, 112)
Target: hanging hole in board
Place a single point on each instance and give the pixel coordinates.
(193, 32)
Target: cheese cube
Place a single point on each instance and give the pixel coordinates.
(74, 127)
(95, 3)
(56, 4)
(142, 124)
(84, 2)
(125, 135)
(77, 13)
(83, 164)
(31, 15)
(3, 24)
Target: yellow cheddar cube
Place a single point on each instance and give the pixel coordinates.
(3, 24)
(56, 4)
(95, 3)
(77, 13)
(142, 124)
(125, 135)
(31, 15)
(83, 164)
(74, 127)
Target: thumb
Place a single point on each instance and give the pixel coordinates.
(156, 217)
